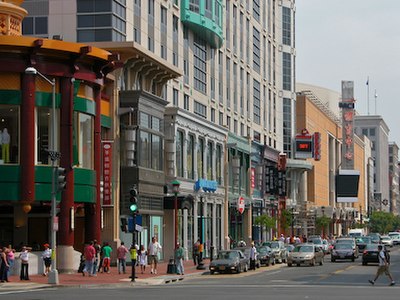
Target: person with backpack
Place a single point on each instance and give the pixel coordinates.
(384, 262)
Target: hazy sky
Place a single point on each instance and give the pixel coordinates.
(352, 40)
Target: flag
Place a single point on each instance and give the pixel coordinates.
(367, 83)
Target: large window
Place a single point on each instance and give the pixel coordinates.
(43, 135)
(287, 126)
(9, 134)
(190, 157)
(179, 154)
(256, 101)
(200, 159)
(35, 25)
(256, 50)
(150, 142)
(218, 166)
(209, 160)
(286, 26)
(85, 140)
(200, 65)
(287, 71)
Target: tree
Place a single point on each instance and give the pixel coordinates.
(322, 223)
(382, 222)
(286, 219)
(265, 221)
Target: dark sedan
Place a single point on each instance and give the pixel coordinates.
(343, 251)
(229, 261)
(370, 254)
(266, 256)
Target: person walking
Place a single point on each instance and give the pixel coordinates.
(46, 256)
(121, 256)
(196, 252)
(142, 259)
(153, 251)
(96, 262)
(10, 259)
(100, 269)
(383, 266)
(179, 255)
(90, 254)
(4, 265)
(253, 256)
(106, 257)
(24, 256)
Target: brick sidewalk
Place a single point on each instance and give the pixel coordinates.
(77, 279)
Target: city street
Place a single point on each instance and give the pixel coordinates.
(339, 280)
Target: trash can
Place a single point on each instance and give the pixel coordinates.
(171, 268)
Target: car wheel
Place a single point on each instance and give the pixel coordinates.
(239, 269)
(289, 264)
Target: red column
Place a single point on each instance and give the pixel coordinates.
(93, 216)
(66, 235)
(27, 139)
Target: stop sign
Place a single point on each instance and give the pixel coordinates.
(241, 205)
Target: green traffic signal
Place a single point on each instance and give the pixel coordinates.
(133, 207)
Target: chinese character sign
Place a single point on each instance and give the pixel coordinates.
(107, 167)
(347, 106)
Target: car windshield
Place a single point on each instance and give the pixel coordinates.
(363, 240)
(316, 241)
(372, 247)
(347, 241)
(274, 245)
(385, 238)
(227, 255)
(264, 250)
(394, 234)
(303, 249)
(343, 246)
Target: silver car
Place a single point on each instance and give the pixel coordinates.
(309, 254)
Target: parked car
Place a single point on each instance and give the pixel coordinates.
(229, 261)
(289, 248)
(395, 236)
(370, 254)
(266, 256)
(279, 250)
(343, 251)
(246, 251)
(362, 241)
(348, 240)
(306, 254)
(386, 240)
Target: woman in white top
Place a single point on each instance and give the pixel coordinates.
(24, 256)
(142, 259)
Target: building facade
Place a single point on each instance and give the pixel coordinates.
(236, 61)
(375, 128)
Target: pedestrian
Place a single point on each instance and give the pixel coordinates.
(4, 265)
(97, 247)
(106, 257)
(24, 256)
(253, 256)
(89, 253)
(121, 256)
(142, 259)
(383, 266)
(153, 251)
(46, 256)
(179, 256)
(10, 259)
(100, 269)
(196, 252)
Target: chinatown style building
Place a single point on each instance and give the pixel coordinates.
(71, 79)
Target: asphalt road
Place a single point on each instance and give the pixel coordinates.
(339, 280)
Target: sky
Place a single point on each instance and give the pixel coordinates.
(353, 40)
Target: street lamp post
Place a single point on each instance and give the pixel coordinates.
(323, 221)
(175, 188)
(54, 156)
(200, 265)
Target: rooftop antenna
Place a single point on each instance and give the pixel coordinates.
(376, 96)
(368, 93)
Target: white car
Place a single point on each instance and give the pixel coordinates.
(395, 236)
(386, 240)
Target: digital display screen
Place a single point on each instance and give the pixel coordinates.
(304, 146)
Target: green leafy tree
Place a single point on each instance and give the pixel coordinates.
(322, 223)
(383, 222)
(265, 221)
(286, 219)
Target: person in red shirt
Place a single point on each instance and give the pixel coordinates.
(90, 254)
(121, 255)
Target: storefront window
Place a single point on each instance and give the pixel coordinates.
(9, 134)
(85, 144)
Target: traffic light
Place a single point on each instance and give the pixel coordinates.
(61, 178)
(133, 199)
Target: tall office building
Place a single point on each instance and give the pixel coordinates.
(225, 71)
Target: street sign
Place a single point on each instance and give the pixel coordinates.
(241, 205)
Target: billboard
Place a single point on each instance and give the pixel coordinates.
(346, 183)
